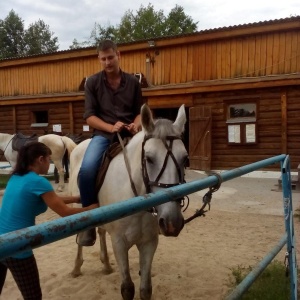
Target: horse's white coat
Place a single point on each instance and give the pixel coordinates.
(57, 144)
(140, 229)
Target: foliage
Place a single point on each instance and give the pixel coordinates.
(3, 180)
(38, 39)
(11, 36)
(5, 177)
(271, 284)
(145, 24)
(16, 41)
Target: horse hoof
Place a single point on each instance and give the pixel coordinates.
(127, 291)
(108, 270)
(75, 273)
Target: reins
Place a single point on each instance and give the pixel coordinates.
(148, 183)
(206, 199)
(127, 165)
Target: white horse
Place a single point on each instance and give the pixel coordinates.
(57, 144)
(157, 157)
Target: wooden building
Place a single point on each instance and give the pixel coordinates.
(240, 86)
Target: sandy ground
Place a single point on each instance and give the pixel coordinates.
(245, 222)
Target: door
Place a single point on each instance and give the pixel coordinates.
(200, 138)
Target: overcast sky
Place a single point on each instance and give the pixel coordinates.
(70, 19)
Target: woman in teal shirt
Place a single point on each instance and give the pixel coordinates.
(27, 195)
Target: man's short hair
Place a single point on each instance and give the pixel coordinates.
(105, 45)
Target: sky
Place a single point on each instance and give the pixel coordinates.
(75, 19)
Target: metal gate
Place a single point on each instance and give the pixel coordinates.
(42, 234)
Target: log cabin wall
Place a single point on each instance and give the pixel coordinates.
(208, 68)
(293, 125)
(269, 127)
(270, 48)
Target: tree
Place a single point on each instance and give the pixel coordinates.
(16, 41)
(100, 32)
(145, 24)
(38, 39)
(11, 36)
(179, 23)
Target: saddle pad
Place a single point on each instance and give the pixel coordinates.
(20, 140)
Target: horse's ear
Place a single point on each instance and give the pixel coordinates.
(181, 118)
(146, 118)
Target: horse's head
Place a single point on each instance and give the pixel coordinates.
(163, 160)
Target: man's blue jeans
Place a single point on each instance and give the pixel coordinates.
(89, 169)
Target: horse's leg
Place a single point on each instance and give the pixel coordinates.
(56, 177)
(66, 166)
(146, 251)
(60, 169)
(121, 254)
(103, 251)
(78, 263)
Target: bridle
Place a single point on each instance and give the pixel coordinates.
(148, 183)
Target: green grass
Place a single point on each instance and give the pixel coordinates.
(271, 284)
(3, 180)
(5, 177)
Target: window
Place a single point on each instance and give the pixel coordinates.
(241, 122)
(40, 118)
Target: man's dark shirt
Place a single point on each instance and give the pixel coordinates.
(122, 104)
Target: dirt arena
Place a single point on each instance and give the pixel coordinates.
(245, 222)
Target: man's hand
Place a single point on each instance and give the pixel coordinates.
(118, 127)
(131, 128)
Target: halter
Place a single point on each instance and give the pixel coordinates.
(148, 183)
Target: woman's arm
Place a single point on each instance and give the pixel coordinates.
(70, 199)
(58, 204)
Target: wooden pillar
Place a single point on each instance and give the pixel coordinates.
(14, 119)
(71, 117)
(284, 123)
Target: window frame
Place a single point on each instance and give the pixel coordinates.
(36, 120)
(241, 124)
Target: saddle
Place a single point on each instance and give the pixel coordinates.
(113, 150)
(20, 140)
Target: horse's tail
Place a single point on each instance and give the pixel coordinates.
(69, 144)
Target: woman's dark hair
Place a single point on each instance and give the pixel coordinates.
(28, 154)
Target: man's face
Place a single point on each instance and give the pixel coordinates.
(109, 60)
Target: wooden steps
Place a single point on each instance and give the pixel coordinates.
(295, 180)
